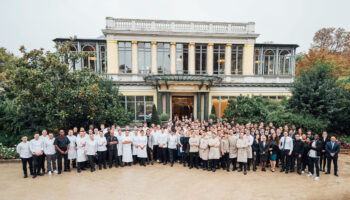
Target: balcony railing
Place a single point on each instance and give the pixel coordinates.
(122, 24)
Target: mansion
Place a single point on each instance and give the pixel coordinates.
(186, 67)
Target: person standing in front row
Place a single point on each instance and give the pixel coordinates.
(332, 150)
(225, 151)
(314, 156)
(50, 152)
(163, 140)
(112, 142)
(142, 148)
(172, 142)
(298, 150)
(91, 150)
(127, 153)
(43, 137)
(323, 157)
(194, 144)
(23, 149)
(72, 151)
(81, 146)
(214, 151)
(286, 147)
(101, 150)
(62, 146)
(264, 152)
(37, 149)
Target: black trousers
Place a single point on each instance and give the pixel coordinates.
(37, 164)
(285, 159)
(234, 163)
(194, 159)
(112, 155)
(226, 160)
(156, 153)
(172, 155)
(213, 163)
(163, 154)
(102, 158)
(244, 166)
(59, 161)
(295, 158)
(24, 165)
(43, 156)
(335, 163)
(323, 159)
(305, 162)
(278, 157)
(91, 159)
(313, 162)
(74, 163)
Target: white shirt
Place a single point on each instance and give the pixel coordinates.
(36, 146)
(102, 142)
(163, 139)
(313, 153)
(44, 138)
(23, 149)
(91, 147)
(49, 147)
(172, 141)
(288, 143)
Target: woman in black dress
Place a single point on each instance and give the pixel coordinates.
(256, 148)
(264, 149)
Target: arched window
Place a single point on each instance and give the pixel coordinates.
(269, 61)
(285, 62)
(89, 61)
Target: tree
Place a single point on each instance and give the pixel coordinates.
(318, 93)
(336, 41)
(44, 93)
(155, 118)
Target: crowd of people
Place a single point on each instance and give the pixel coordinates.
(210, 146)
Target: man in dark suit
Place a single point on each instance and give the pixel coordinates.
(332, 150)
(323, 157)
(298, 151)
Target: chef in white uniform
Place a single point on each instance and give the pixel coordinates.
(72, 152)
(127, 153)
(120, 146)
(142, 148)
(91, 150)
(81, 158)
(135, 144)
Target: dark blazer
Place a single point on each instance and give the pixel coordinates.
(307, 148)
(274, 148)
(325, 142)
(263, 148)
(335, 149)
(112, 147)
(298, 147)
(255, 146)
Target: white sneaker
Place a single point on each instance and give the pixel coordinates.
(302, 172)
(56, 172)
(49, 173)
(309, 175)
(316, 178)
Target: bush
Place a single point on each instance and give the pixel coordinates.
(155, 117)
(164, 117)
(8, 153)
(212, 116)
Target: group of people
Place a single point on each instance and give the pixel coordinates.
(192, 143)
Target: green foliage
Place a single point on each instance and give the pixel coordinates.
(41, 92)
(318, 93)
(212, 116)
(155, 118)
(213, 111)
(164, 117)
(8, 152)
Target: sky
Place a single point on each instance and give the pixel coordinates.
(35, 23)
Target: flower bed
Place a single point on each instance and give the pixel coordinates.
(8, 152)
(345, 142)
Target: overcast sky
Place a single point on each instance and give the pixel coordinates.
(34, 23)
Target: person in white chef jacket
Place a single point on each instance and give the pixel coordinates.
(72, 152)
(163, 141)
(135, 144)
(91, 150)
(172, 146)
(50, 152)
(120, 147)
(43, 137)
(127, 153)
(142, 148)
(37, 149)
(25, 154)
(102, 151)
(81, 157)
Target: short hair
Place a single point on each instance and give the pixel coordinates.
(24, 136)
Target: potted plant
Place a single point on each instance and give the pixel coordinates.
(164, 118)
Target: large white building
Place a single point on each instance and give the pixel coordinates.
(186, 67)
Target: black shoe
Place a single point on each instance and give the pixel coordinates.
(99, 168)
(79, 170)
(164, 163)
(299, 172)
(214, 170)
(104, 167)
(190, 167)
(327, 173)
(171, 164)
(263, 169)
(239, 170)
(282, 170)
(254, 169)
(59, 172)
(335, 174)
(286, 172)
(234, 169)
(34, 176)
(245, 173)
(110, 166)
(227, 169)
(25, 176)
(41, 174)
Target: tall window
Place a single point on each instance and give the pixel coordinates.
(236, 59)
(269, 62)
(124, 57)
(163, 58)
(201, 59)
(219, 59)
(182, 58)
(144, 57)
(139, 106)
(90, 61)
(103, 59)
(220, 103)
(285, 62)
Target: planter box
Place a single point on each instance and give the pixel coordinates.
(10, 160)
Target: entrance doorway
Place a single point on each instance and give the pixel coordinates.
(182, 106)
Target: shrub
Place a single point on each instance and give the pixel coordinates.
(155, 117)
(164, 117)
(8, 152)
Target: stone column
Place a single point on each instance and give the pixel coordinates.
(159, 102)
(206, 105)
(154, 58)
(134, 57)
(228, 59)
(191, 58)
(167, 103)
(172, 57)
(248, 59)
(210, 61)
(112, 57)
(199, 107)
